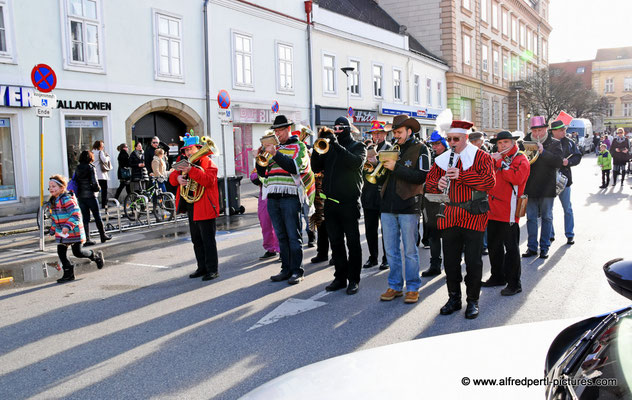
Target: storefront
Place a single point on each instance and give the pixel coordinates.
(425, 115)
(326, 116)
(8, 190)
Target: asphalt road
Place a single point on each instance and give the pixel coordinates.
(140, 328)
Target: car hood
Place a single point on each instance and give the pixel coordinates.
(439, 365)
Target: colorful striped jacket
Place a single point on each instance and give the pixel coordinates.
(65, 213)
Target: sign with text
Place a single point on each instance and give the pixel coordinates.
(83, 123)
(47, 100)
(43, 112)
(225, 115)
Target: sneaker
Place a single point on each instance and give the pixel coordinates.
(411, 297)
(268, 254)
(510, 291)
(98, 258)
(390, 294)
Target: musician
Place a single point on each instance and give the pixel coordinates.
(400, 208)
(512, 171)
(476, 138)
(342, 184)
(203, 212)
(371, 197)
(288, 185)
(541, 187)
(470, 173)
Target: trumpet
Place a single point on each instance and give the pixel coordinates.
(321, 146)
(383, 155)
(368, 167)
(263, 158)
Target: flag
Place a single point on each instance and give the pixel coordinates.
(564, 118)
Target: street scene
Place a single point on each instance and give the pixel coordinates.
(314, 199)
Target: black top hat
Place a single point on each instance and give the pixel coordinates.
(408, 122)
(557, 125)
(281, 121)
(504, 135)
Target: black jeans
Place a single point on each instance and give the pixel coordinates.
(119, 190)
(455, 240)
(343, 221)
(87, 205)
(503, 240)
(204, 244)
(104, 192)
(77, 251)
(605, 177)
(322, 242)
(371, 225)
(434, 241)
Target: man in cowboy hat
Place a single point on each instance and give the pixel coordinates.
(371, 196)
(400, 208)
(202, 213)
(342, 186)
(467, 172)
(572, 156)
(541, 187)
(503, 232)
(286, 190)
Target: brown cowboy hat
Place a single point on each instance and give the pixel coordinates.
(408, 122)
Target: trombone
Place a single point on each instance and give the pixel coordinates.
(263, 158)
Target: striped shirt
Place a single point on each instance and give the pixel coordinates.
(480, 176)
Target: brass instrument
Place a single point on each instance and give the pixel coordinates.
(263, 158)
(305, 132)
(370, 153)
(192, 191)
(383, 155)
(531, 151)
(321, 146)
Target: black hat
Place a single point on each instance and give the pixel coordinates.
(281, 121)
(557, 125)
(342, 121)
(504, 135)
(408, 122)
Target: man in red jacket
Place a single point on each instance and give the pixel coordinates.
(203, 212)
(503, 233)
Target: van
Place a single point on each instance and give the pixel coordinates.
(584, 130)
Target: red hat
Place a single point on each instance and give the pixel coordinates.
(460, 127)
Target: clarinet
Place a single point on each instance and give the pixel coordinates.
(441, 213)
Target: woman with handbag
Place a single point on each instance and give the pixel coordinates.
(87, 189)
(102, 165)
(124, 172)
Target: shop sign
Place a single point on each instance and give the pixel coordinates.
(5, 122)
(83, 123)
(415, 112)
(84, 105)
(16, 96)
(364, 116)
(259, 116)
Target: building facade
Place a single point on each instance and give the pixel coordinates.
(612, 77)
(490, 45)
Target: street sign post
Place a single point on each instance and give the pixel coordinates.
(350, 112)
(275, 107)
(223, 100)
(42, 112)
(225, 115)
(47, 100)
(43, 78)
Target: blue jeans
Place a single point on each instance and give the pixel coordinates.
(569, 220)
(285, 214)
(536, 208)
(402, 228)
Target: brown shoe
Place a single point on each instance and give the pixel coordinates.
(411, 297)
(390, 294)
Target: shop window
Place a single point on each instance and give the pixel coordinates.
(81, 133)
(7, 172)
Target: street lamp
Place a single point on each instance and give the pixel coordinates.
(347, 70)
(518, 87)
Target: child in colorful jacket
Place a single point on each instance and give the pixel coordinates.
(67, 227)
(604, 160)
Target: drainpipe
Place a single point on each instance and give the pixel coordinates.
(206, 72)
(308, 12)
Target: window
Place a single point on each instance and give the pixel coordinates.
(377, 80)
(495, 114)
(523, 69)
(466, 4)
(496, 63)
(439, 95)
(3, 29)
(522, 35)
(535, 43)
(397, 84)
(6, 39)
(7, 172)
(484, 51)
(242, 49)
(486, 113)
(494, 15)
(609, 88)
(467, 50)
(81, 132)
(514, 29)
(505, 67)
(466, 109)
(505, 23)
(627, 84)
(627, 109)
(545, 50)
(514, 68)
(529, 42)
(417, 89)
(429, 91)
(168, 45)
(355, 77)
(610, 110)
(83, 34)
(285, 60)
(484, 10)
(329, 74)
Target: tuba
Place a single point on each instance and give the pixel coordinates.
(193, 192)
(531, 151)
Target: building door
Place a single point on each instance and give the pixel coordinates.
(243, 148)
(167, 127)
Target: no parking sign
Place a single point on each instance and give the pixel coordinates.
(43, 78)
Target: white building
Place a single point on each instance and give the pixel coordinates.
(392, 72)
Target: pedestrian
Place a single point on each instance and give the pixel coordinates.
(87, 190)
(102, 165)
(150, 151)
(67, 227)
(202, 213)
(342, 165)
(604, 160)
(139, 171)
(270, 241)
(607, 140)
(317, 221)
(466, 173)
(620, 150)
(159, 168)
(371, 198)
(597, 143)
(512, 171)
(124, 171)
(571, 157)
(286, 195)
(400, 208)
(541, 187)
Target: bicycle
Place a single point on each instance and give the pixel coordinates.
(164, 205)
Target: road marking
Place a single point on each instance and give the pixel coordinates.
(292, 306)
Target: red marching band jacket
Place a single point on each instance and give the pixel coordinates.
(204, 173)
(512, 173)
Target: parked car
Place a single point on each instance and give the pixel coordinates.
(584, 130)
(495, 363)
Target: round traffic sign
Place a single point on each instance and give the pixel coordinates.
(350, 112)
(275, 107)
(43, 78)
(223, 99)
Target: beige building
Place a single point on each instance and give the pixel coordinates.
(488, 45)
(612, 77)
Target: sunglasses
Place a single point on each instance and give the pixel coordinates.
(339, 127)
(453, 139)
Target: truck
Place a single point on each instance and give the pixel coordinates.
(584, 130)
